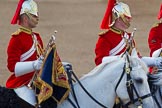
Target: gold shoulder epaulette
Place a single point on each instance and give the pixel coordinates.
(103, 32)
(16, 32)
(156, 24)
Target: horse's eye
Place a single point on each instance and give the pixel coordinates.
(139, 80)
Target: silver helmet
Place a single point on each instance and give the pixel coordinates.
(29, 6)
(121, 10)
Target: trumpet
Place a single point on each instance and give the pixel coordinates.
(49, 44)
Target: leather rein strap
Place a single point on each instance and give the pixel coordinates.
(130, 87)
(99, 103)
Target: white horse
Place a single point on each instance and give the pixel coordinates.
(125, 77)
(155, 82)
(108, 80)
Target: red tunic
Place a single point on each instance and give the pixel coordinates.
(155, 38)
(20, 42)
(108, 41)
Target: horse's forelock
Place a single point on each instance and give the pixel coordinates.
(137, 62)
(138, 67)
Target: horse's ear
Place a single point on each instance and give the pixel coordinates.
(157, 53)
(134, 53)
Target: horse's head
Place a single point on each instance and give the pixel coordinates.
(132, 86)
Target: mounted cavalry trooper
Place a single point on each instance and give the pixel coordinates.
(24, 52)
(113, 39)
(155, 39)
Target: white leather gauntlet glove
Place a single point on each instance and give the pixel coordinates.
(22, 68)
(152, 61)
(37, 64)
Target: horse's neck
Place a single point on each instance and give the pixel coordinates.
(100, 85)
(107, 73)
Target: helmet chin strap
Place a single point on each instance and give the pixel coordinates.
(127, 23)
(31, 18)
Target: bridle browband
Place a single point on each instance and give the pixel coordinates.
(130, 87)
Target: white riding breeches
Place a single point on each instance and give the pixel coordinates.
(26, 94)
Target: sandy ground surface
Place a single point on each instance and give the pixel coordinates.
(77, 23)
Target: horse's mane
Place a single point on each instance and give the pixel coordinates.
(109, 60)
